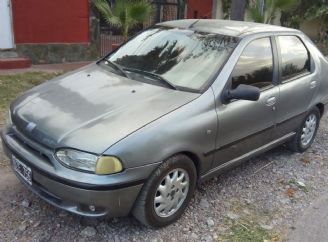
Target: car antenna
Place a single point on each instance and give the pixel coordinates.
(192, 25)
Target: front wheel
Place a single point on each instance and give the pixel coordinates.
(167, 192)
(306, 132)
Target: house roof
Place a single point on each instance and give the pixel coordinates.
(225, 27)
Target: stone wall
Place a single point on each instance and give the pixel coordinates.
(57, 53)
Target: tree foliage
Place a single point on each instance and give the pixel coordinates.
(319, 10)
(264, 11)
(124, 14)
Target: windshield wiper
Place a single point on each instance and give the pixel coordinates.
(153, 75)
(116, 67)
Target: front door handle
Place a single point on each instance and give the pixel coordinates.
(313, 84)
(271, 101)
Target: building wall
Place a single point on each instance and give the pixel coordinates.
(50, 21)
(199, 9)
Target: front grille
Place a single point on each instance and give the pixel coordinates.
(36, 150)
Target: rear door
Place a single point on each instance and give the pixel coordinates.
(297, 84)
(247, 125)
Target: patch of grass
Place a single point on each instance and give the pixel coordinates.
(298, 185)
(12, 86)
(251, 225)
(241, 231)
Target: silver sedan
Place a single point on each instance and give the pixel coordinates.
(174, 106)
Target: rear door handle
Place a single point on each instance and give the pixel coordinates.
(271, 101)
(313, 84)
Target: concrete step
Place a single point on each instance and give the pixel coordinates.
(8, 54)
(14, 63)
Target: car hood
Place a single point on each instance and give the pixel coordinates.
(92, 109)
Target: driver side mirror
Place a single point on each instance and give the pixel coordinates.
(242, 92)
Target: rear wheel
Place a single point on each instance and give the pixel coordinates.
(167, 192)
(306, 132)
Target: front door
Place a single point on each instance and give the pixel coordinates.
(6, 34)
(247, 125)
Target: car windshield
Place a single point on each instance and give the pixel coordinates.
(182, 58)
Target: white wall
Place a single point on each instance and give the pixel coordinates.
(6, 34)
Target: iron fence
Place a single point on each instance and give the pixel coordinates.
(108, 42)
(164, 10)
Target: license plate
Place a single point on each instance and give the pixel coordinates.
(23, 170)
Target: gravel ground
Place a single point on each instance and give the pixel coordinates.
(260, 199)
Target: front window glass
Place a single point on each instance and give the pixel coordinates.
(255, 65)
(182, 57)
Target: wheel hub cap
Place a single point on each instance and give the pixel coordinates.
(171, 192)
(308, 130)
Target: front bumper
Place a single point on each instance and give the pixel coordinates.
(113, 198)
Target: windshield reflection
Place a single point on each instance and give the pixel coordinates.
(183, 57)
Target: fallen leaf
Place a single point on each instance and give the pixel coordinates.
(305, 160)
(301, 184)
(36, 224)
(290, 192)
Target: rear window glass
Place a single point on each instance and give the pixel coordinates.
(295, 58)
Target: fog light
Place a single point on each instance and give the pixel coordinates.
(92, 208)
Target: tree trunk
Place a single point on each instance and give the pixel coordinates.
(217, 9)
(125, 32)
(238, 9)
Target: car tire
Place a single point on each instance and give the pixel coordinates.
(306, 133)
(173, 184)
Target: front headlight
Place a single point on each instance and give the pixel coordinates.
(101, 165)
(9, 121)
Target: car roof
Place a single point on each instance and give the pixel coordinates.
(226, 27)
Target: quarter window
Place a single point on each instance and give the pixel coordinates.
(294, 57)
(255, 65)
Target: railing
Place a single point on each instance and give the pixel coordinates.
(108, 42)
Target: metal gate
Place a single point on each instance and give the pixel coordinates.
(164, 10)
